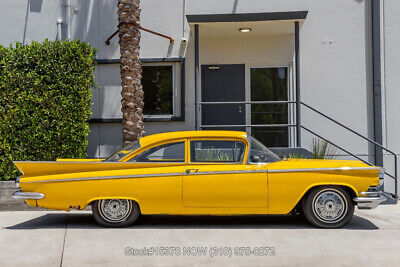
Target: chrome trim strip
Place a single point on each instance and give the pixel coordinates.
(144, 176)
(105, 177)
(102, 162)
(226, 172)
(27, 195)
(199, 173)
(324, 169)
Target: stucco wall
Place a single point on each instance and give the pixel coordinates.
(335, 55)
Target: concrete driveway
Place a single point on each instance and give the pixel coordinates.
(44, 238)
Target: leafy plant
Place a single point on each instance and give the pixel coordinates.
(45, 99)
(213, 155)
(323, 150)
(296, 156)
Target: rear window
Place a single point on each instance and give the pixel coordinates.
(172, 152)
(117, 156)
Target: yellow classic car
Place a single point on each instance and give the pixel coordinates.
(201, 172)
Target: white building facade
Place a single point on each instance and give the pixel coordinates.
(338, 57)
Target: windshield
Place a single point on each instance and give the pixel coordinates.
(260, 153)
(123, 152)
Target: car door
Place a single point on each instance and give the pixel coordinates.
(216, 176)
(160, 167)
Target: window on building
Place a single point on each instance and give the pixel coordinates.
(270, 84)
(158, 84)
(172, 152)
(217, 151)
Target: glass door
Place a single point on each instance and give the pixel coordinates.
(270, 84)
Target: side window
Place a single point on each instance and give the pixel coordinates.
(172, 152)
(217, 151)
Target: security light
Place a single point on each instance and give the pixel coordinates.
(245, 29)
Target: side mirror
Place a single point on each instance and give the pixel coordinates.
(255, 158)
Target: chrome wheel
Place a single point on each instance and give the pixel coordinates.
(330, 206)
(115, 210)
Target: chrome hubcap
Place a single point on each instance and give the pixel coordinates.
(330, 206)
(115, 210)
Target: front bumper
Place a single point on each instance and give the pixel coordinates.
(27, 195)
(370, 199)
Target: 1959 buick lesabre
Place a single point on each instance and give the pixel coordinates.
(201, 172)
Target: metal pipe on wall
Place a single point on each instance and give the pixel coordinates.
(376, 78)
(297, 71)
(196, 75)
(59, 28)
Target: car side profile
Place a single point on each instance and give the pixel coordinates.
(201, 172)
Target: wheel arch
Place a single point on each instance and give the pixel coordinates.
(349, 188)
(90, 201)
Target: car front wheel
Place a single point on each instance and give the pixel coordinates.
(328, 207)
(115, 212)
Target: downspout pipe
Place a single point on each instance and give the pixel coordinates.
(377, 78)
(59, 29)
(196, 76)
(297, 71)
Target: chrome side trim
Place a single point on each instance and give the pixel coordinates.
(96, 162)
(198, 173)
(105, 178)
(226, 172)
(27, 195)
(324, 169)
(143, 176)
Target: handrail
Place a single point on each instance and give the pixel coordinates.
(323, 138)
(347, 128)
(351, 154)
(248, 102)
(298, 124)
(360, 135)
(248, 125)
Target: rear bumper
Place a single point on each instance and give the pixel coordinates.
(27, 195)
(370, 200)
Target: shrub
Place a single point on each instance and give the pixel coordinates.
(45, 99)
(323, 150)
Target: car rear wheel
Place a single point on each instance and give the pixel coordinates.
(328, 207)
(115, 212)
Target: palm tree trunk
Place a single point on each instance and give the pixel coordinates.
(131, 69)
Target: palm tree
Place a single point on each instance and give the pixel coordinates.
(131, 70)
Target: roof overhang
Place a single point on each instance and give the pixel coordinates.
(242, 17)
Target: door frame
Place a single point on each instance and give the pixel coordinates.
(290, 93)
(290, 87)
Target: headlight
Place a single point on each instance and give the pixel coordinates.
(17, 182)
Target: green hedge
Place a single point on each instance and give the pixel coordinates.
(45, 99)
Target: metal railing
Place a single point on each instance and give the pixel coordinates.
(299, 125)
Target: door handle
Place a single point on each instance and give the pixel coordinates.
(240, 109)
(188, 171)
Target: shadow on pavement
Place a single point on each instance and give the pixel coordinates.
(85, 221)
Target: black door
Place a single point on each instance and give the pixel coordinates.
(223, 83)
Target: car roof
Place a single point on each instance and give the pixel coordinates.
(160, 137)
